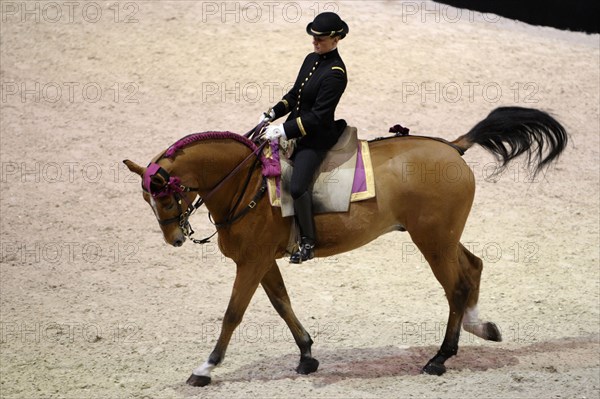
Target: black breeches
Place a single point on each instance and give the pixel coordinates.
(306, 163)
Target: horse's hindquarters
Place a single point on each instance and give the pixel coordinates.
(417, 181)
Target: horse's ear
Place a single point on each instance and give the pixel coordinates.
(134, 167)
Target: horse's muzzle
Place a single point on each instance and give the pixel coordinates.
(176, 238)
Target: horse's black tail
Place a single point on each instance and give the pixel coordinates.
(508, 132)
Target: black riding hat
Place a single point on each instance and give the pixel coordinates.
(327, 24)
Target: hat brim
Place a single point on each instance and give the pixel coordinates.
(312, 32)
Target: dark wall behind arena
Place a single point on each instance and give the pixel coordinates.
(577, 15)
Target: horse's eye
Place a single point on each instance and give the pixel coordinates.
(167, 203)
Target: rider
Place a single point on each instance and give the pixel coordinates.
(311, 104)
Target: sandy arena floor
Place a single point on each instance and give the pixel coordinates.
(95, 305)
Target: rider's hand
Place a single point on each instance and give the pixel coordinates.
(274, 132)
(267, 116)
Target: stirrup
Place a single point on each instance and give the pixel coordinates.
(306, 252)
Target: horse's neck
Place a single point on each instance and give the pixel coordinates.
(213, 161)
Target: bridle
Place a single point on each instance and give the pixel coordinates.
(173, 187)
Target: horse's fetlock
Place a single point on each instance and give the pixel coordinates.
(448, 352)
(215, 359)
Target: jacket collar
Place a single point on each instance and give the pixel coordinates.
(332, 54)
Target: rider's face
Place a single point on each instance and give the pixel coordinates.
(324, 44)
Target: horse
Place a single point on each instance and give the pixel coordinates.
(222, 170)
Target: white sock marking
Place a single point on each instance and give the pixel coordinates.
(472, 324)
(204, 370)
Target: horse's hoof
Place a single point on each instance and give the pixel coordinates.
(492, 332)
(434, 369)
(198, 380)
(307, 365)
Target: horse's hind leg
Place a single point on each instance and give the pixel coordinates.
(273, 284)
(441, 253)
(472, 266)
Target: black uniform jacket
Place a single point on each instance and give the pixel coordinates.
(312, 101)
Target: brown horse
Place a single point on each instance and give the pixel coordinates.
(423, 186)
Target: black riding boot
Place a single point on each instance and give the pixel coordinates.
(304, 218)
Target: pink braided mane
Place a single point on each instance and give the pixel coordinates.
(194, 137)
(270, 167)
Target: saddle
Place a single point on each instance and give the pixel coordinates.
(345, 176)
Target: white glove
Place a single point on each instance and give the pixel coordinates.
(274, 132)
(266, 116)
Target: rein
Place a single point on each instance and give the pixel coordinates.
(173, 187)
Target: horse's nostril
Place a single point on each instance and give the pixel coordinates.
(178, 243)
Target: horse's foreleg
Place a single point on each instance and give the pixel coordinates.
(246, 282)
(274, 286)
